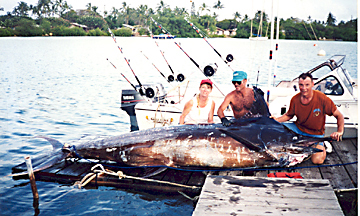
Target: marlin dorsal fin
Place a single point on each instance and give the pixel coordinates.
(56, 144)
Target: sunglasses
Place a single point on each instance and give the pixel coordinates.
(238, 82)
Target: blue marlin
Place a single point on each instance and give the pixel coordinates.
(256, 141)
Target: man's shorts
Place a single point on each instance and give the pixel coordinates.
(292, 126)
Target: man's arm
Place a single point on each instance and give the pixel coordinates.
(222, 107)
(283, 118)
(340, 124)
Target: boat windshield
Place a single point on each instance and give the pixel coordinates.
(345, 78)
(329, 86)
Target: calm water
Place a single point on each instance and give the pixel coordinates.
(65, 88)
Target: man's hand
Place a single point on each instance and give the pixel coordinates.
(336, 136)
(225, 122)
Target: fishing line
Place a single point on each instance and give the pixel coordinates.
(149, 92)
(197, 65)
(229, 57)
(123, 75)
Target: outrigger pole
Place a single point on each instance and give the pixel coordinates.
(197, 65)
(229, 57)
(149, 92)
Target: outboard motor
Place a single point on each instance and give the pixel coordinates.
(210, 69)
(130, 97)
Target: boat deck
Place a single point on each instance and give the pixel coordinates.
(172, 181)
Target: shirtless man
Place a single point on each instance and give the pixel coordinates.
(240, 100)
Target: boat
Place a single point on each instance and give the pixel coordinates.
(258, 36)
(330, 78)
(163, 36)
(335, 82)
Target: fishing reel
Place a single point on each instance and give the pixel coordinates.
(149, 92)
(210, 69)
(170, 78)
(180, 77)
(229, 58)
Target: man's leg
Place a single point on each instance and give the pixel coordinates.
(317, 158)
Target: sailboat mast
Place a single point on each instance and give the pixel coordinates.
(271, 47)
(277, 41)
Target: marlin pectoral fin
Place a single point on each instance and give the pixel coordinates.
(242, 140)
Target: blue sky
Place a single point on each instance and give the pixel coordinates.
(317, 9)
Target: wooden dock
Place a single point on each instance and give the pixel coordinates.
(252, 193)
(172, 181)
(242, 195)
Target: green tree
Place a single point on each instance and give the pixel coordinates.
(330, 21)
(27, 27)
(22, 9)
(218, 5)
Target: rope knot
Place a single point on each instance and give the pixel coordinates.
(120, 174)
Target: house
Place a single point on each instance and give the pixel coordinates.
(72, 25)
(226, 33)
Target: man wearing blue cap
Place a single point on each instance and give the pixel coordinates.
(240, 100)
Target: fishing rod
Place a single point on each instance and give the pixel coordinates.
(158, 69)
(149, 92)
(160, 27)
(229, 57)
(180, 77)
(123, 75)
(198, 66)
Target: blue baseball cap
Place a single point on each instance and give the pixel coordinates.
(239, 76)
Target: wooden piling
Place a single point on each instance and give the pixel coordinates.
(33, 184)
(31, 177)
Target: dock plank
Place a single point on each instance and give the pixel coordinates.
(238, 195)
(337, 175)
(347, 153)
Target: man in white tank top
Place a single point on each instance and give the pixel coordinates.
(200, 109)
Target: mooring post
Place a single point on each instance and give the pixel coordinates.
(33, 184)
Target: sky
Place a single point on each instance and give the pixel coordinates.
(316, 9)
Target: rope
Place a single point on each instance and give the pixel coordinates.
(90, 176)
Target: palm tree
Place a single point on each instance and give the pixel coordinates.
(162, 6)
(237, 16)
(142, 12)
(43, 7)
(88, 6)
(22, 9)
(218, 5)
(123, 9)
(204, 7)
